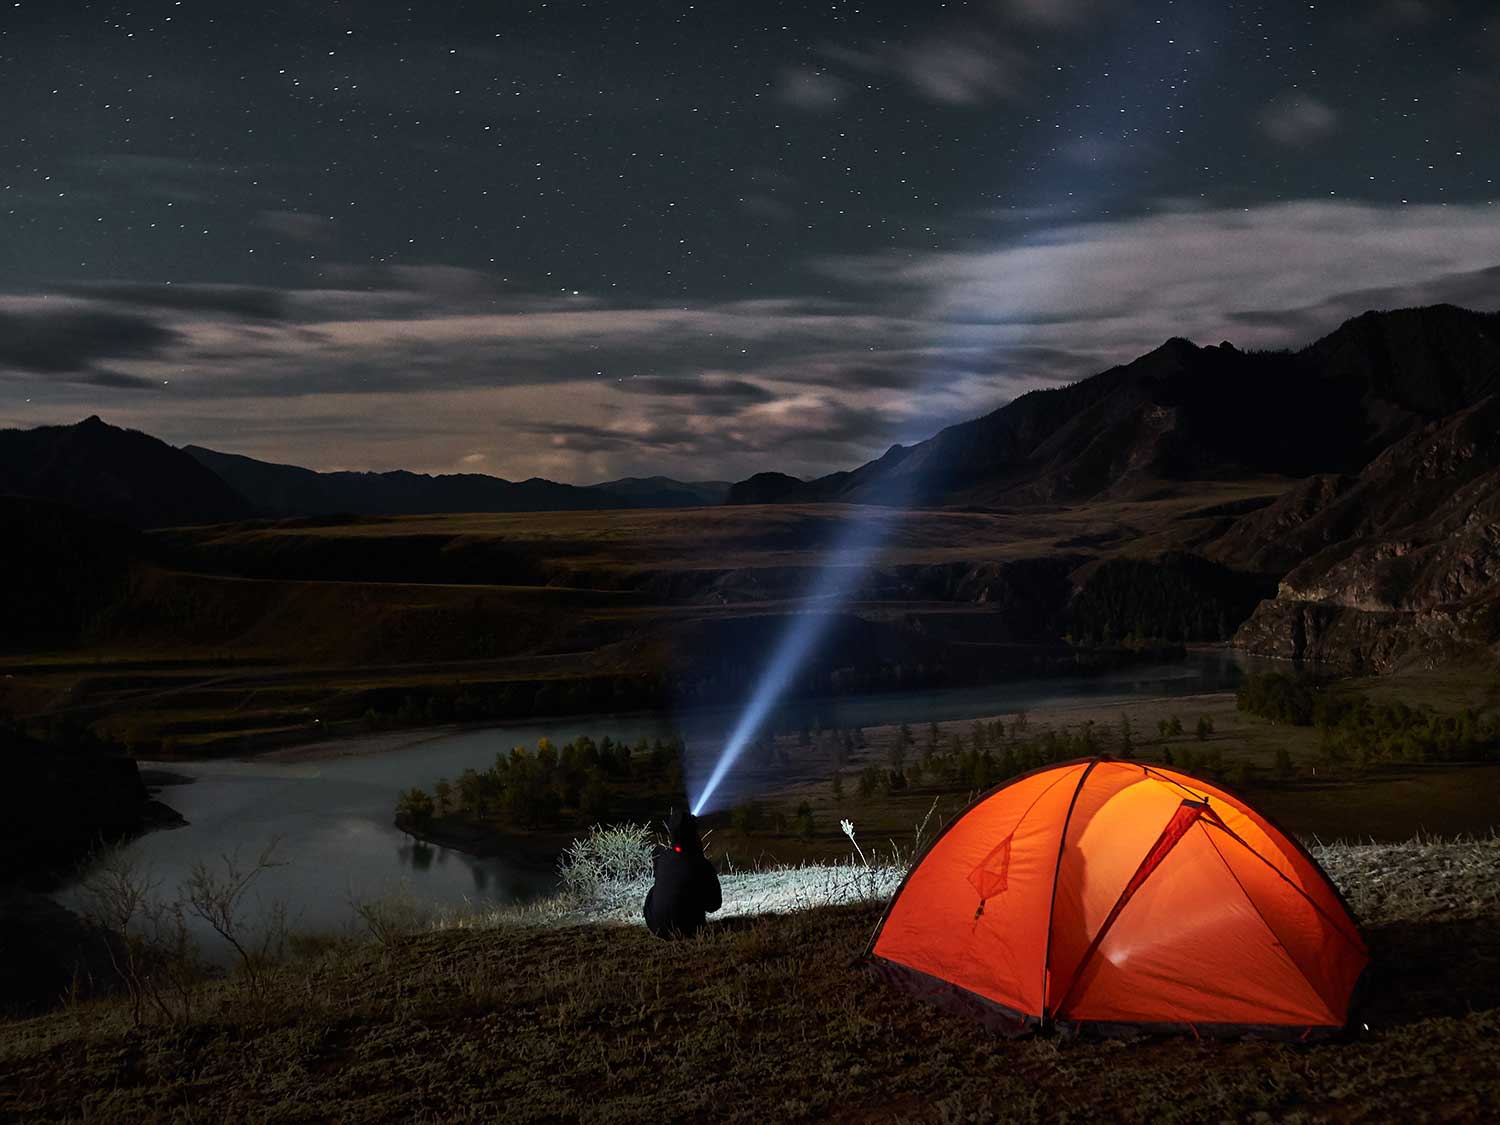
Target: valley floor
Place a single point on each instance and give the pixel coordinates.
(765, 1017)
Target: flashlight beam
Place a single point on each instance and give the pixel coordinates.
(847, 564)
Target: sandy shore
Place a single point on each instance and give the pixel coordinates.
(358, 745)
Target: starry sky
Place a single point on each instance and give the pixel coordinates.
(588, 240)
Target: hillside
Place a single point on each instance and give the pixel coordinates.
(74, 794)
(121, 475)
(239, 635)
(1173, 500)
(1385, 549)
(61, 573)
(664, 492)
(1184, 412)
(1401, 561)
(762, 1018)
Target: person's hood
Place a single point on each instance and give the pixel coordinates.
(682, 830)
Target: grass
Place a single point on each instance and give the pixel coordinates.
(760, 1019)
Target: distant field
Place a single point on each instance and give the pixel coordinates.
(241, 637)
(605, 546)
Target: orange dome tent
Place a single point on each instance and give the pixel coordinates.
(1102, 893)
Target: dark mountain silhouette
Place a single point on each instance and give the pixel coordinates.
(763, 488)
(664, 492)
(1430, 361)
(289, 490)
(1183, 412)
(122, 475)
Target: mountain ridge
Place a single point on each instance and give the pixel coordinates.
(1183, 412)
(121, 474)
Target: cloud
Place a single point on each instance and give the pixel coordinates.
(1298, 120)
(1054, 13)
(767, 207)
(710, 387)
(1094, 152)
(299, 226)
(1117, 288)
(73, 340)
(254, 302)
(958, 70)
(104, 377)
(810, 89)
(810, 427)
(174, 178)
(583, 389)
(962, 66)
(1475, 289)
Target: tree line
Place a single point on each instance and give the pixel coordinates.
(1357, 731)
(579, 783)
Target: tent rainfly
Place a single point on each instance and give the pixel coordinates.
(1106, 895)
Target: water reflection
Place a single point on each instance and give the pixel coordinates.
(416, 855)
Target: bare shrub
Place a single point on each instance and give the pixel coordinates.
(617, 854)
(218, 897)
(146, 937)
(394, 915)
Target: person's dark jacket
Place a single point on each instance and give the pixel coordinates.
(686, 887)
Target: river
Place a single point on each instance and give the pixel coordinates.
(332, 817)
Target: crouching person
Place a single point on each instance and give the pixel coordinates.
(686, 887)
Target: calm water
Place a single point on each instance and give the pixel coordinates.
(332, 817)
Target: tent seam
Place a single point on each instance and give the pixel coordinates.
(1062, 843)
(1358, 940)
(1128, 893)
(1357, 945)
(1270, 929)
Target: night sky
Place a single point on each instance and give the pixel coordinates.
(589, 240)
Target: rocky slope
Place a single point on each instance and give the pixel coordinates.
(1398, 563)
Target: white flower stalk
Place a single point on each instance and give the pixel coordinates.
(848, 827)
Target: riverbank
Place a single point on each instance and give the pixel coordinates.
(763, 820)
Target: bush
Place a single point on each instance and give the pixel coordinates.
(414, 808)
(746, 818)
(620, 853)
(803, 822)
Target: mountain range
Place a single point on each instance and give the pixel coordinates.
(287, 490)
(135, 479)
(1183, 412)
(1364, 470)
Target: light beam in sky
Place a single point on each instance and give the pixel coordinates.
(863, 535)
